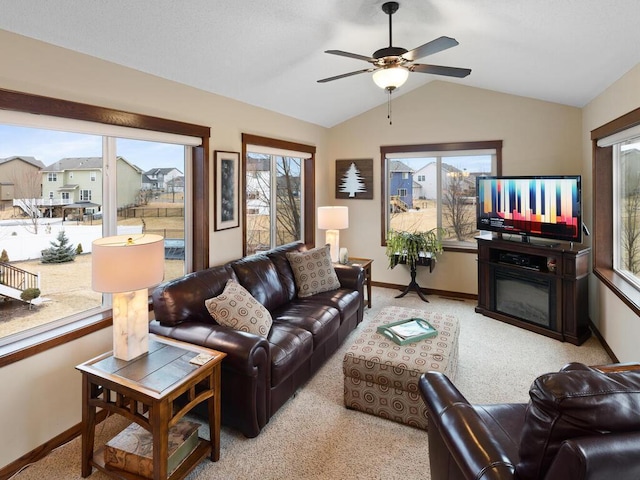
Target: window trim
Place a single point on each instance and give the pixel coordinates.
(309, 233)
(40, 105)
(602, 194)
(430, 147)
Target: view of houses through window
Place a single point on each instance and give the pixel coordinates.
(59, 191)
(427, 190)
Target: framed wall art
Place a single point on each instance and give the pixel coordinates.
(226, 178)
(354, 179)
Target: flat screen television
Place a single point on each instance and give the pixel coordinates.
(531, 206)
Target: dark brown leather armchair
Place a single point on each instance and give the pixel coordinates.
(580, 423)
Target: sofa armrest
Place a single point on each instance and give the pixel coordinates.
(247, 354)
(350, 276)
(613, 455)
(466, 437)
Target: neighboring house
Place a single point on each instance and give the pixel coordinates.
(72, 180)
(400, 185)
(258, 179)
(427, 179)
(175, 185)
(159, 178)
(17, 175)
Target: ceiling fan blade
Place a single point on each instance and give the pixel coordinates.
(337, 77)
(351, 55)
(434, 46)
(440, 70)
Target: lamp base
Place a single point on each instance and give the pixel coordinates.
(332, 237)
(130, 324)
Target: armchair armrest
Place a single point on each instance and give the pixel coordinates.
(466, 437)
(613, 455)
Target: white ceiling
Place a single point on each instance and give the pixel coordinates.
(269, 53)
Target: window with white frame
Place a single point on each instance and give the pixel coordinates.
(432, 186)
(278, 207)
(626, 203)
(125, 208)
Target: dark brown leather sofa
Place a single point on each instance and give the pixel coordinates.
(260, 374)
(580, 423)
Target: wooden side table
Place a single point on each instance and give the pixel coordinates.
(365, 263)
(145, 391)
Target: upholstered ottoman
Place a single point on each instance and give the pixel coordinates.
(381, 377)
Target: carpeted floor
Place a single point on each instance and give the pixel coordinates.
(314, 437)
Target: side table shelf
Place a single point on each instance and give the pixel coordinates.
(144, 390)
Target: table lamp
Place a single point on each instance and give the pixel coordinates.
(332, 219)
(126, 265)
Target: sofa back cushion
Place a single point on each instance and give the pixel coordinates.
(182, 299)
(576, 402)
(279, 258)
(259, 276)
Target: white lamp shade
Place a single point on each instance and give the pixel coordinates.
(390, 78)
(333, 218)
(126, 263)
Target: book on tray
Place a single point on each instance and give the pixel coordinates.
(408, 331)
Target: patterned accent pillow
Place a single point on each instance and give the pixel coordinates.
(235, 307)
(313, 271)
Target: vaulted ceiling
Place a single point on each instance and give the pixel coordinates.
(270, 53)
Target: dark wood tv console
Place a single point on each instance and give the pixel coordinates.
(539, 287)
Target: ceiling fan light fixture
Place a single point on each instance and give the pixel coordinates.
(390, 78)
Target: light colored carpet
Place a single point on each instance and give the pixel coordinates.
(313, 436)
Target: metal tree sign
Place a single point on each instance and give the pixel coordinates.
(352, 181)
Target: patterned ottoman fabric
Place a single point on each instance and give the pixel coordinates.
(381, 377)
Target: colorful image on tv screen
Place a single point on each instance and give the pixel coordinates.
(545, 207)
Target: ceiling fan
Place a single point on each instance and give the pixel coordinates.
(391, 65)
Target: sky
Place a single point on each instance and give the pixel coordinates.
(477, 163)
(49, 146)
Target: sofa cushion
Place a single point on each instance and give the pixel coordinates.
(313, 271)
(259, 276)
(322, 321)
(290, 347)
(279, 258)
(574, 403)
(236, 308)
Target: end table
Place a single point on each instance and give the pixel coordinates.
(365, 263)
(145, 391)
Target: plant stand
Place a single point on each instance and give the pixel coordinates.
(413, 285)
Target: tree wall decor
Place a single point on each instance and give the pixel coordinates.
(354, 179)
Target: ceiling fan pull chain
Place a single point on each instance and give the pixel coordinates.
(389, 107)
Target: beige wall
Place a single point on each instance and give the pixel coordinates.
(41, 395)
(618, 324)
(538, 138)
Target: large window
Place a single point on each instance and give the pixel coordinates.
(278, 193)
(60, 206)
(433, 186)
(617, 206)
(65, 214)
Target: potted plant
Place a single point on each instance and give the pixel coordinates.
(410, 247)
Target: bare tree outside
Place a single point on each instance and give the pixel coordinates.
(630, 224)
(457, 206)
(28, 192)
(288, 200)
(263, 231)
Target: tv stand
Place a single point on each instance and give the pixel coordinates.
(543, 289)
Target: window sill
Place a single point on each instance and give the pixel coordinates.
(620, 287)
(27, 347)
